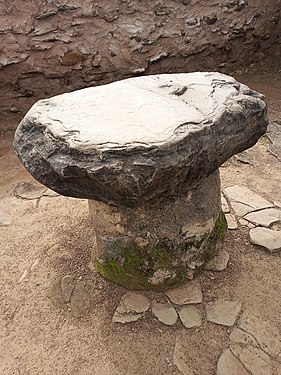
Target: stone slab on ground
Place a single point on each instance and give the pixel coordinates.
(186, 294)
(125, 318)
(223, 312)
(29, 190)
(266, 334)
(277, 204)
(253, 359)
(133, 303)
(267, 238)
(243, 222)
(164, 313)
(274, 135)
(228, 364)
(224, 205)
(245, 157)
(219, 262)
(243, 200)
(238, 336)
(190, 316)
(251, 226)
(231, 221)
(240, 209)
(5, 219)
(67, 287)
(264, 217)
(50, 193)
(80, 301)
(181, 359)
(130, 308)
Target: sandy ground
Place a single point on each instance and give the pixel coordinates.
(51, 237)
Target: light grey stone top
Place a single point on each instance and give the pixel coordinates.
(133, 141)
(144, 111)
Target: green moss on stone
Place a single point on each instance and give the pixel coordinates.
(216, 238)
(135, 265)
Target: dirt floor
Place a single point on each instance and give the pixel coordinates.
(51, 237)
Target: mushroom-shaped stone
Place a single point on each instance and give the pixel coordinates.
(145, 151)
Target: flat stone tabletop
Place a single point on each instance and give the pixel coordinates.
(138, 133)
(144, 111)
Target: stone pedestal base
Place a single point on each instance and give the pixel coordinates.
(155, 246)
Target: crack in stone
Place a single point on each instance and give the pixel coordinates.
(238, 359)
(259, 346)
(180, 91)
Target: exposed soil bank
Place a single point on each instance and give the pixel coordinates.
(53, 47)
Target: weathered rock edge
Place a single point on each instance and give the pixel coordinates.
(133, 176)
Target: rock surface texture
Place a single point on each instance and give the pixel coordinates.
(131, 308)
(258, 214)
(165, 313)
(223, 312)
(153, 136)
(145, 152)
(186, 294)
(155, 246)
(268, 238)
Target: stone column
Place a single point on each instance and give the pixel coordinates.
(155, 246)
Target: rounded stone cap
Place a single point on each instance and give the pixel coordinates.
(140, 139)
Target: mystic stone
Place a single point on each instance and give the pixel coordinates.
(145, 151)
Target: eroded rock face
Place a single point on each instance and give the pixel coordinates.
(136, 141)
(51, 47)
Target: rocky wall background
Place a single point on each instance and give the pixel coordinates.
(53, 46)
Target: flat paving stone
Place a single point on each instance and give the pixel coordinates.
(253, 359)
(264, 217)
(181, 359)
(238, 336)
(267, 238)
(228, 364)
(251, 226)
(277, 204)
(244, 200)
(186, 294)
(133, 303)
(219, 262)
(67, 287)
(125, 318)
(264, 333)
(244, 157)
(29, 190)
(190, 316)
(223, 312)
(243, 222)
(240, 209)
(246, 348)
(231, 221)
(274, 135)
(5, 219)
(50, 193)
(80, 301)
(164, 313)
(224, 205)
